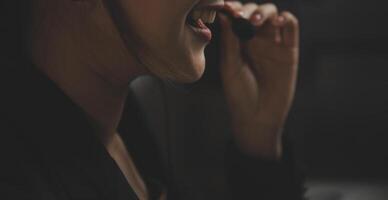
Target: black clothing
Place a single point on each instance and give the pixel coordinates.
(49, 151)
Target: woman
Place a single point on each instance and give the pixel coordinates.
(67, 127)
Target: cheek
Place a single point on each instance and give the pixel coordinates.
(170, 49)
(158, 21)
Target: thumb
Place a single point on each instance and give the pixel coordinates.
(230, 52)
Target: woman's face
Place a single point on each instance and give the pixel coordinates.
(162, 38)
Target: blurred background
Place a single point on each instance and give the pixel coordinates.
(339, 120)
(341, 111)
(338, 124)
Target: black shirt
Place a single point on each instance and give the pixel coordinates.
(49, 151)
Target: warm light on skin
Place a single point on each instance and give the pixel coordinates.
(92, 51)
(164, 44)
(80, 46)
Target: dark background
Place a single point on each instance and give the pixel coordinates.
(340, 117)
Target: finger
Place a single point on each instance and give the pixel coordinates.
(230, 53)
(235, 7)
(279, 23)
(290, 30)
(249, 9)
(234, 4)
(267, 12)
(267, 19)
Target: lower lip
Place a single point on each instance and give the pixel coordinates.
(202, 31)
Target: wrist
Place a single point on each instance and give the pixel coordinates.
(262, 141)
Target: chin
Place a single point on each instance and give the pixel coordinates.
(188, 73)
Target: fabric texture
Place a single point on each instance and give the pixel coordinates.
(49, 151)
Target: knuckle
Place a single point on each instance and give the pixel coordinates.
(251, 5)
(291, 18)
(250, 8)
(235, 3)
(296, 22)
(270, 7)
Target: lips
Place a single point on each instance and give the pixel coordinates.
(202, 16)
(206, 16)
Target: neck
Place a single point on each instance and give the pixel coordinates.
(102, 100)
(91, 66)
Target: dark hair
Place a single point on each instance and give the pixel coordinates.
(13, 26)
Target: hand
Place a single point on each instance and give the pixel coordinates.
(259, 76)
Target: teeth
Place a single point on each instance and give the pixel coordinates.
(213, 16)
(207, 16)
(196, 14)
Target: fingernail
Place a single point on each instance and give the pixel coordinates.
(256, 19)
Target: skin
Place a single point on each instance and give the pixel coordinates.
(259, 77)
(164, 44)
(92, 50)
